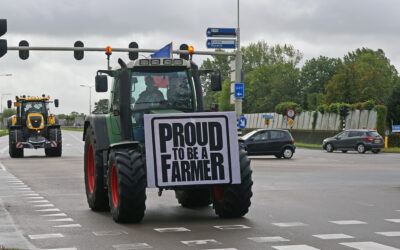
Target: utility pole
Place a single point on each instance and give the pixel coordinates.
(1, 99)
(238, 66)
(90, 96)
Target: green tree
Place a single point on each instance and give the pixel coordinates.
(8, 112)
(101, 107)
(393, 105)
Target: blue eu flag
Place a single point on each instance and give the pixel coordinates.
(165, 52)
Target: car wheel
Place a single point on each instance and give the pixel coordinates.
(287, 153)
(375, 151)
(344, 151)
(361, 148)
(329, 148)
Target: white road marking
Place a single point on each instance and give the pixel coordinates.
(290, 224)
(2, 167)
(268, 239)
(54, 215)
(31, 194)
(68, 248)
(48, 210)
(109, 233)
(348, 222)
(68, 225)
(62, 220)
(295, 247)
(34, 197)
(229, 227)
(397, 210)
(171, 229)
(44, 205)
(44, 236)
(14, 181)
(39, 201)
(389, 234)
(23, 188)
(221, 249)
(368, 245)
(132, 246)
(393, 220)
(191, 243)
(333, 236)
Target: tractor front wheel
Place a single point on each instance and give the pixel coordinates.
(126, 185)
(15, 136)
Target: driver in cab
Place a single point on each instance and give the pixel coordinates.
(152, 96)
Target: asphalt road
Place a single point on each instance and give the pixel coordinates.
(316, 200)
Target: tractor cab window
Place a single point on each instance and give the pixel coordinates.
(33, 107)
(166, 90)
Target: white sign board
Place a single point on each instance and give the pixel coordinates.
(191, 149)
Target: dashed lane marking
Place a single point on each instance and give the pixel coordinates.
(44, 236)
(290, 224)
(268, 239)
(48, 210)
(132, 246)
(333, 236)
(221, 249)
(31, 194)
(348, 222)
(295, 247)
(368, 245)
(62, 220)
(171, 229)
(39, 201)
(68, 248)
(44, 205)
(22, 188)
(389, 234)
(54, 215)
(68, 226)
(393, 220)
(230, 227)
(34, 197)
(109, 233)
(191, 243)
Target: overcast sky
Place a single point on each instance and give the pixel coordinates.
(315, 27)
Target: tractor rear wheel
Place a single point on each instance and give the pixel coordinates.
(194, 198)
(94, 174)
(54, 135)
(127, 185)
(15, 136)
(230, 201)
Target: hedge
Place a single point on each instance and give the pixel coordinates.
(381, 118)
(283, 106)
(394, 140)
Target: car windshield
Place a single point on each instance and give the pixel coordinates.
(248, 135)
(155, 90)
(33, 107)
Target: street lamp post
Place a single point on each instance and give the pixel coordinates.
(90, 95)
(1, 99)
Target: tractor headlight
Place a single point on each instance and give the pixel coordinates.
(144, 62)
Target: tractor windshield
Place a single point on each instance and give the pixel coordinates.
(33, 107)
(161, 90)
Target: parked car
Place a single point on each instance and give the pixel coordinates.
(269, 142)
(360, 140)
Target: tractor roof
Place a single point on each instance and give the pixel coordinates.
(32, 98)
(152, 62)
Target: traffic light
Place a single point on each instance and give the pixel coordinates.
(344, 111)
(78, 54)
(3, 42)
(23, 54)
(184, 47)
(133, 55)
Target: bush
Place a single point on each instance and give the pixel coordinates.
(358, 105)
(323, 108)
(334, 108)
(314, 122)
(394, 140)
(283, 106)
(369, 105)
(381, 111)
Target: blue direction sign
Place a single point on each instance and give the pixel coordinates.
(239, 90)
(395, 128)
(242, 122)
(268, 116)
(221, 32)
(221, 43)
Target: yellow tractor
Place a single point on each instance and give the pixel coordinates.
(33, 126)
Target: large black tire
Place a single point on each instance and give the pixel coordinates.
(54, 135)
(231, 201)
(127, 185)
(96, 192)
(194, 198)
(15, 136)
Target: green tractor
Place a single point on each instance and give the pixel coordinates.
(157, 135)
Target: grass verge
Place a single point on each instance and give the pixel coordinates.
(305, 145)
(3, 132)
(72, 129)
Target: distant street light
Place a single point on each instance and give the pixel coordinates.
(90, 95)
(1, 99)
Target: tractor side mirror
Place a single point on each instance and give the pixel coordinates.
(101, 83)
(9, 104)
(56, 103)
(216, 84)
